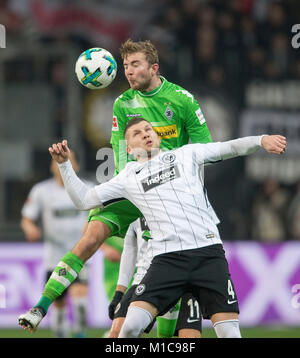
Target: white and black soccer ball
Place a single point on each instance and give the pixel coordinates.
(96, 68)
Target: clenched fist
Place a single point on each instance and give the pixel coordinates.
(274, 143)
(60, 152)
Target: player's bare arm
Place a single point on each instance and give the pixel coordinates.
(31, 230)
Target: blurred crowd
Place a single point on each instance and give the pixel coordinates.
(226, 44)
(270, 213)
(221, 44)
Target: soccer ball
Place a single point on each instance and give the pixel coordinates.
(96, 68)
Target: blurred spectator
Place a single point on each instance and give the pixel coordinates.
(272, 71)
(230, 50)
(254, 67)
(279, 53)
(59, 80)
(163, 33)
(206, 16)
(229, 36)
(277, 21)
(277, 16)
(294, 215)
(206, 52)
(187, 35)
(215, 79)
(248, 32)
(269, 212)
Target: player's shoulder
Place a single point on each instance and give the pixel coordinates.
(178, 91)
(188, 148)
(125, 96)
(131, 166)
(42, 187)
(44, 184)
(130, 169)
(127, 170)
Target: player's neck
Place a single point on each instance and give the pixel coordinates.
(156, 82)
(154, 152)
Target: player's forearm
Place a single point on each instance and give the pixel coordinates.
(240, 147)
(26, 224)
(30, 229)
(83, 197)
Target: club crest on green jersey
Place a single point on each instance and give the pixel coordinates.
(168, 113)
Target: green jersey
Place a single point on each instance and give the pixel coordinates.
(173, 112)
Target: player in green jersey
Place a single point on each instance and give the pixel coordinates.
(177, 118)
(175, 115)
(111, 249)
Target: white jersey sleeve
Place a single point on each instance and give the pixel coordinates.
(113, 189)
(215, 152)
(33, 206)
(129, 257)
(85, 198)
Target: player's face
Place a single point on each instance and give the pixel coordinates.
(139, 73)
(142, 140)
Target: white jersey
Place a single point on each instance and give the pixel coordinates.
(168, 190)
(134, 254)
(62, 223)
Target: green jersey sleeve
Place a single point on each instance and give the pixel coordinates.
(117, 137)
(195, 123)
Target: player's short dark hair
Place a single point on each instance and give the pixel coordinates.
(134, 121)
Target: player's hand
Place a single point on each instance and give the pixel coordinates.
(110, 253)
(112, 306)
(274, 143)
(60, 152)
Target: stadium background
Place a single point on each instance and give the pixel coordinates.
(236, 56)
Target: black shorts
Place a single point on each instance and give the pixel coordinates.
(189, 316)
(203, 272)
(81, 278)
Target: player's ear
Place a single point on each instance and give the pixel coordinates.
(129, 150)
(155, 68)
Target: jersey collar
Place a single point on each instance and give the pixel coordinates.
(155, 91)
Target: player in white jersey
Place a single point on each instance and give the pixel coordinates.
(134, 265)
(186, 246)
(134, 258)
(62, 226)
